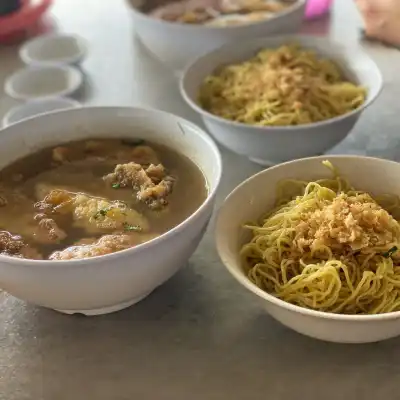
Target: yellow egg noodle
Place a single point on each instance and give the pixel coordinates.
(280, 87)
(328, 248)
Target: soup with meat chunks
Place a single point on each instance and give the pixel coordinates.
(94, 197)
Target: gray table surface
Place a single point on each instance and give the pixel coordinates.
(200, 336)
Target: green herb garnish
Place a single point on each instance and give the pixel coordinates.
(132, 228)
(116, 185)
(103, 212)
(390, 252)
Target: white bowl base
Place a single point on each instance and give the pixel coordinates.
(106, 310)
(264, 163)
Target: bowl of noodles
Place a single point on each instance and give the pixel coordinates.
(281, 98)
(177, 31)
(318, 240)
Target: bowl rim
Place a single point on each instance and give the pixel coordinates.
(67, 102)
(53, 37)
(72, 72)
(244, 281)
(28, 263)
(298, 5)
(287, 128)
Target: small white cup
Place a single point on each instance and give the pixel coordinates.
(41, 82)
(54, 49)
(37, 107)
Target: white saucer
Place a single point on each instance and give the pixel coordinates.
(54, 49)
(41, 82)
(37, 107)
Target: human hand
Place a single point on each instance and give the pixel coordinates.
(381, 19)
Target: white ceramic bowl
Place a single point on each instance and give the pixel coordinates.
(108, 283)
(37, 107)
(271, 145)
(256, 195)
(41, 82)
(176, 44)
(54, 49)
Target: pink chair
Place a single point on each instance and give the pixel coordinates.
(316, 8)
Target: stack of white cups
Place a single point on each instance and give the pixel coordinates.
(52, 75)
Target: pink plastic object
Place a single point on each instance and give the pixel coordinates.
(317, 8)
(17, 23)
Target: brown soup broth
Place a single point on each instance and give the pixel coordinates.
(27, 181)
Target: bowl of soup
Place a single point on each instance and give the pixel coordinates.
(317, 240)
(279, 98)
(177, 31)
(99, 206)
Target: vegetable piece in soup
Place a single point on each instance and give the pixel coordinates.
(13, 245)
(93, 214)
(105, 245)
(152, 184)
(95, 197)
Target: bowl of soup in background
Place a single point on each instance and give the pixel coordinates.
(268, 145)
(111, 282)
(175, 44)
(256, 197)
